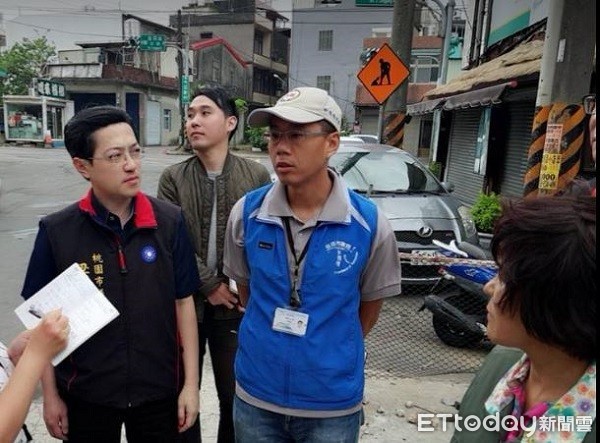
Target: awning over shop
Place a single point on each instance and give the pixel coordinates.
(478, 97)
(523, 61)
(425, 106)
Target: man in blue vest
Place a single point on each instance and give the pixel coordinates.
(313, 262)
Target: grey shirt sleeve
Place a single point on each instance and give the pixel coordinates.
(381, 277)
(234, 258)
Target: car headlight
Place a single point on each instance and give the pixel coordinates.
(467, 221)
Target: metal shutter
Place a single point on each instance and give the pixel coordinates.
(520, 120)
(461, 155)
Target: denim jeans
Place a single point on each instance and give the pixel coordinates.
(255, 425)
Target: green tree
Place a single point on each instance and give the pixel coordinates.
(22, 63)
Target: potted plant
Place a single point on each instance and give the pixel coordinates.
(436, 169)
(256, 138)
(485, 211)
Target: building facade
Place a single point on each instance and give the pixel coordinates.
(327, 41)
(256, 33)
(123, 74)
(487, 112)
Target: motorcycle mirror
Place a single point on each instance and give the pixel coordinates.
(452, 247)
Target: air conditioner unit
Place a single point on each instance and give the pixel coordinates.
(128, 58)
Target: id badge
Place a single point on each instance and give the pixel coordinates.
(289, 321)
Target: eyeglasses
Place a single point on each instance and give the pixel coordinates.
(117, 156)
(589, 104)
(293, 136)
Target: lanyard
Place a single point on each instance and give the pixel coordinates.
(295, 300)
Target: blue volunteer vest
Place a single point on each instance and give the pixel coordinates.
(324, 369)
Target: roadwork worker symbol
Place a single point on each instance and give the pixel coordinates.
(384, 73)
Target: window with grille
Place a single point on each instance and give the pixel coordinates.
(324, 82)
(167, 119)
(424, 69)
(258, 42)
(326, 40)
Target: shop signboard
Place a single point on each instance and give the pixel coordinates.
(50, 89)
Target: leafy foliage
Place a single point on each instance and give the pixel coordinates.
(241, 105)
(256, 137)
(485, 211)
(436, 169)
(23, 62)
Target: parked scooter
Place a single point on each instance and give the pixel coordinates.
(457, 300)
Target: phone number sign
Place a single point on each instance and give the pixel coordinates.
(551, 158)
(550, 170)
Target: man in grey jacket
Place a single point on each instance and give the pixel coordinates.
(206, 186)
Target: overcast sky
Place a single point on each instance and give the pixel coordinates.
(157, 8)
(64, 22)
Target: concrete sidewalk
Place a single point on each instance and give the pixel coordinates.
(391, 408)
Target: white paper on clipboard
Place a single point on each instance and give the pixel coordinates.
(86, 307)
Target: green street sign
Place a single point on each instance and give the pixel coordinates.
(185, 89)
(3, 73)
(152, 42)
(387, 3)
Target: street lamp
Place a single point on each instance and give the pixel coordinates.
(282, 81)
(447, 15)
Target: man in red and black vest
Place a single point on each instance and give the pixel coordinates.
(141, 370)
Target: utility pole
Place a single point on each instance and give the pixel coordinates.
(182, 44)
(554, 157)
(181, 57)
(402, 32)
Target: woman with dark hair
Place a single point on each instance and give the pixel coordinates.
(539, 384)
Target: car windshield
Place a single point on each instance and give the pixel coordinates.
(384, 172)
(367, 138)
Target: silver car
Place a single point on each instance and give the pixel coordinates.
(367, 138)
(418, 206)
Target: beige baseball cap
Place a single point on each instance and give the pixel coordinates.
(300, 105)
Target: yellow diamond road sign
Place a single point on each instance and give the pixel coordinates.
(383, 73)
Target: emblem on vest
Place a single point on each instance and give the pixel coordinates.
(148, 254)
(346, 255)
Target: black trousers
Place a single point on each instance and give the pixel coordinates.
(221, 338)
(152, 422)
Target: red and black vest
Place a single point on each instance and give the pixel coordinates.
(136, 358)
